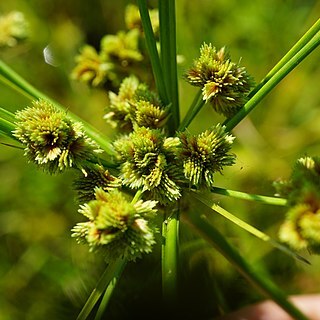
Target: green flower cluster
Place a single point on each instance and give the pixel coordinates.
(52, 140)
(224, 83)
(119, 55)
(13, 28)
(135, 105)
(159, 165)
(148, 162)
(116, 226)
(301, 229)
(96, 176)
(205, 154)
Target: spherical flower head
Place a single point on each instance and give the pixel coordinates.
(122, 47)
(135, 105)
(301, 229)
(116, 226)
(303, 186)
(13, 28)
(91, 69)
(96, 176)
(205, 154)
(224, 83)
(51, 139)
(148, 161)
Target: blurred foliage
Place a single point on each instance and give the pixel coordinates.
(43, 272)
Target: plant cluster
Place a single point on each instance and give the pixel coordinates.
(119, 55)
(140, 180)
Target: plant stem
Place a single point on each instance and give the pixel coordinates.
(200, 223)
(6, 125)
(170, 233)
(16, 82)
(251, 197)
(168, 56)
(195, 107)
(153, 52)
(107, 281)
(249, 228)
(109, 291)
(290, 54)
(272, 82)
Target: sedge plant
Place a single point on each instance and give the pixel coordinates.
(138, 187)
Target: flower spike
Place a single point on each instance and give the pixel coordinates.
(224, 83)
(116, 226)
(52, 140)
(205, 154)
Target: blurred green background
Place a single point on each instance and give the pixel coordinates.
(44, 274)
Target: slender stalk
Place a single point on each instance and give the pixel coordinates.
(7, 123)
(7, 115)
(109, 291)
(137, 196)
(168, 57)
(109, 278)
(277, 77)
(16, 82)
(201, 225)
(249, 228)
(170, 233)
(6, 126)
(290, 54)
(251, 197)
(195, 107)
(153, 52)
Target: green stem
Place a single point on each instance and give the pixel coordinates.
(170, 233)
(109, 291)
(16, 82)
(290, 54)
(6, 127)
(249, 228)
(195, 107)
(109, 278)
(137, 196)
(169, 58)
(200, 223)
(153, 52)
(277, 77)
(251, 197)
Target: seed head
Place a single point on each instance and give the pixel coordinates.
(52, 140)
(149, 162)
(205, 154)
(122, 47)
(96, 177)
(116, 226)
(91, 69)
(135, 105)
(224, 83)
(301, 228)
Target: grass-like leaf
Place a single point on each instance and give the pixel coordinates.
(248, 227)
(250, 197)
(153, 52)
(106, 284)
(197, 219)
(168, 55)
(278, 74)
